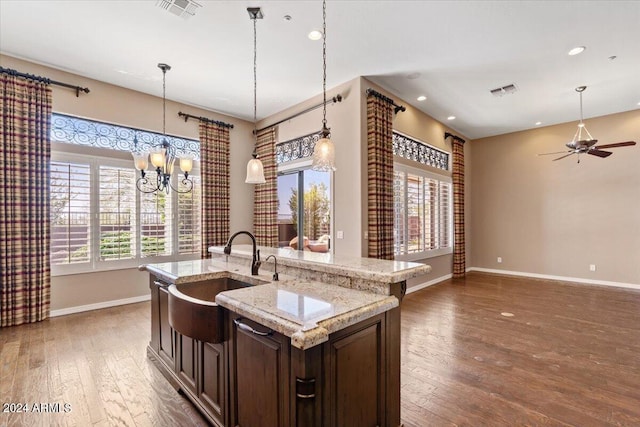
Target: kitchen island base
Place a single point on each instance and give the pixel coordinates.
(255, 377)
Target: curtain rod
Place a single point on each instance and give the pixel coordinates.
(456, 138)
(337, 98)
(386, 98)
(46, 80)
(204, 119)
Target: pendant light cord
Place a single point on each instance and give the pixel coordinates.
(255, 87)
(324, 64)
(164, 101)
(255, 79)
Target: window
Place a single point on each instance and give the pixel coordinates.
(99, 220)
(422, 212)
(304, 196)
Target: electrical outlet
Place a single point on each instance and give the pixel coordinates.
(592, 267)
(499, 260)
(366, 235)
(340, 234)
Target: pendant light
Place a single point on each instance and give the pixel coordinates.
(255, 170)
(324, 152)
(162, 157)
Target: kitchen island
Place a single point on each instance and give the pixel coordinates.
(319, 347)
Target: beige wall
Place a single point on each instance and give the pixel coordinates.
(122, 106)
(342, 118)
(556, 218)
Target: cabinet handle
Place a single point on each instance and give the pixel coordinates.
(161, 284)
(248, 328)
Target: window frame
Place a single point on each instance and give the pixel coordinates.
(95, 264)
(431, 253)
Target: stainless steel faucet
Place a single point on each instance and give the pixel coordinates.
(275, 267)
(255, 263)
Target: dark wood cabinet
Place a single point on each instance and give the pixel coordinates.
(212, 390)
(354, 376)
(197, 368)
(186, 361)
(259, 372)
(162, 334)
(255, 377)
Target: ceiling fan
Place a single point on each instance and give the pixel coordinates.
(587, 145)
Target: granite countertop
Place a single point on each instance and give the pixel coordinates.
(305, 311)
(364, 268)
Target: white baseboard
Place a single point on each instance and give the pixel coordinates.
(98, 306)
(561, 278)
(419, 286)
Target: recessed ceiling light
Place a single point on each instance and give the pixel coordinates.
(451, 118)
(576, 50)
(287, 17)
(315, 35)
(638, 103)
(421, 98)
(538, 123)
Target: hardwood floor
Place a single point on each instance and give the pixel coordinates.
(570, 355)
(77, 360)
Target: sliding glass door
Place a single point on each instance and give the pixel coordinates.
(304, 198)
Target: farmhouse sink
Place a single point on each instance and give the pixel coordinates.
(193, 311)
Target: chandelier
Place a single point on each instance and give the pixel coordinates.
(163, 157)
(255, 169)
(324, 152)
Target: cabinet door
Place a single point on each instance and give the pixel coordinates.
(186, 365)
(166, 345)
(212, 388)
(355, 363)
(259, 363)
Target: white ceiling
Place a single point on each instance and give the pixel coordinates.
(461, 50)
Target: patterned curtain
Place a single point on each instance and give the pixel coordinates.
(25, 120)
(265, 201)
(380, 171)
(214, 176)
(458, 208)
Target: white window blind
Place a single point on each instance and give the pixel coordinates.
(155, 221)
(70, 186)
(189, 218)
(117, 211)
(399, 229)
(422, 213)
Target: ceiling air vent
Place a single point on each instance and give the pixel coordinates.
(504, 90)
(184, 8)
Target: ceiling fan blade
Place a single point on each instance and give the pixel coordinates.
(599, 153)
(557, 152)
(567, 155)
(617, 144)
